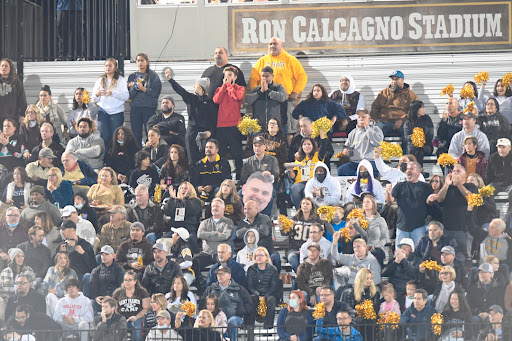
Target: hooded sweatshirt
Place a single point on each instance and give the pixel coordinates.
(359, 187)
(351, 100)
(457, 144)
(79, 308)
(362, 141)
(330, 188)
(246, 255)
(89, 149)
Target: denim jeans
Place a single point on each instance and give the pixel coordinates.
(415, 235)
(107, 124)
(293, 259)
(139, 118)
(387, 130)
(297, 193)
(136, 328)
(350, 169)
(233, 323)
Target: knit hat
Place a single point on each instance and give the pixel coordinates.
(139, 225)
(204, 83)
(169, 98)
(14, 252)
(37, 189)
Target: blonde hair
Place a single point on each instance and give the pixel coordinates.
(191, 190)
(58, 173)
(112, 174)
(449, 269)
(160, 300)
(360, 241)
(210, 316)
(390, 289)
(359, 284)
(264, 249)
(233, 195)
(374, 202)
(35, 108)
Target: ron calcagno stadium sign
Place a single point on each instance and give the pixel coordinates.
(372, 27)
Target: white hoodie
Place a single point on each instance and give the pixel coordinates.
(331, 188)
(79, 309)
(246, 255)
(377, 189)
(351, 88)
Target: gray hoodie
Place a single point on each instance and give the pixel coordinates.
(355, 264)
(331, 188)
(246, 255)
(362, 141)
(456, 145)
(89, 149)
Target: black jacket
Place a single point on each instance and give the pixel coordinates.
(199, 334)
(210, 173)
(33, 299)
(263, 225)
(156, 281)
(446, 131)
(234, 301)
(263, 282)
(193, 212)
(155, 216)
(481, 299)
(113, 330)
(325, 150)
(105, 280)
(174, 123)
(48, 328)
(400, 273)
(499, 169)
(38, 258)
(84, 263)
(57, 150)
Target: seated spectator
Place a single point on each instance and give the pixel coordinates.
(204, 328)
(145, 211)
(145, 173)
(429, 247)
(260, 161)
(457, 316)
(450, 124)
(488, 211)
(296, 319)
(316, 232)
(213, 231)
(245, 256)
(30, 126)
(224, 255)
(267, 98)
(16, 268)
(484, 293)
(366, 182)
(337, 221)
(360, 259)
(54, 283)
(47, 141)
(317, 105)
(52, 238)
(346, 245)
(59, 191)
(170, 123)
(105, 278)
(234, 208)
(324, 189)
(178, 295)
(183, 209)
(276, 143)
(158, 302)
(221, 321)
(175, 170)
(234, 300)
(500, 273)
(411, 288)
(263, 282)
(27, 320)
(37, 256)
(25, 294)
(448, 259)
(390, 303)
(496, 329)
(418, 314)
(117, 230)
(473, 160)
(11, 143)
(110, 325)
(81, 254)
(493, 123)
(324, 326)
(499, 167)
(402, 268)
(17, 192)
(87, 146)
(469, 128)
(305, 131)
(12, 231)
(106, 192)
(84, 228)
(345, 329)
(180, 252)
(497, 243)
(209, 172)
(137, 253)
(444, 288)
(78, 172)
(162, 330)
(79, 110)
(361, 142)
(390, 107)
(52, 113)
(121, 153)
(313, 274)
(74, 311)
(157, 148)
(350, 100)
(417, 118)
(85, 210)
(134, 302)
(38, 170)
(159, 274)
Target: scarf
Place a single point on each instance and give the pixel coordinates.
(444, 295)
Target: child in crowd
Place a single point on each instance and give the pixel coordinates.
(390, 303)
(410, 289)
(246, 255)
(337, 221)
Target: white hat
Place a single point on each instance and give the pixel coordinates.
(407, 241)
(182, 232)
(67, 210)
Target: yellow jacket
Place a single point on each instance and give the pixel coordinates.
(287, 71)
(306, 163)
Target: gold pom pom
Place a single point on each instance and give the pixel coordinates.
(358, 213)
(474, 199)
(157, 198)
(189, 308)
(487, 191)
(446, 159)
(469, 108)
(287, 223)
(322, 123)
(85, 97)
(507, 79)
(248, 125)
(390, 149)
(432, 265)
(365, 310)
(418, 137)
(327, 212)
(467, 92)
(319, 312)
(436, 320)
(390, 319)
(448, 90)
(339, 155)
(262, 307)
(481, 77)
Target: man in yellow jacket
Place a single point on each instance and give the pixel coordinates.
(288, 72)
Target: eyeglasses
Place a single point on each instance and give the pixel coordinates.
(260, 255)
(52, 175)
(435, 181)
(13, 215)
(129, 280)
(20, 318)
(444, 273)
(21, 283)
(325, 295)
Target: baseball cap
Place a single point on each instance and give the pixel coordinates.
(139, 225)
(407, 241)
(163, 313)
(258, 139)
(47, 152)
(160, 246)
(67, 210)
(182, 232)
(485, 267)
(117, 209)
(503, 142)
(107, 249)
(496, 308)
(68, 224)
(397, 73)
(315, 245)
(448, 249)
(223, 268)
(469, 115)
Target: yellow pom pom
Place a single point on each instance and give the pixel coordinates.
(432, 265)
(418, 137)
(262, 307)
(339, 155)
(319, 311)
(248, 125)
(469, 108)
(287, 223)
(322, 123)
(467, 92)
(487, 191)
(506, 80)
(437, 320)
(474, 199)
(157, 198)
(365, 310)
(448, 90)
(481, 77)
(189, 308)
(390, 149)
(327, 212)
(344, 234)
(85, 97)
(358, 213)
(446, 159)
(390, 319)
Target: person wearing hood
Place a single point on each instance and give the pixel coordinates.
(350, 100)
(365, 183)
(202, 115)
(157, 148)
(361, 143)
(87, 146)
(246, 255)
(390, 107)
(469, 127)
(317, 105)
(38, 204)
(74, 311)
(170, 123)
(323, 188)
(85, 211)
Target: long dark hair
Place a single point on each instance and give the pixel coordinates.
(473, 84)
(325, 96)
(12, 72)
(115, 78)
(23, 174)
(300, 215)
(139, 289)
(184, 292)
(215, 300)
(130, 143)
(508, 91)
(412, 115)
(463, 304)
(182, 166)
(302, 154)
(140, 156)
(75, 103)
